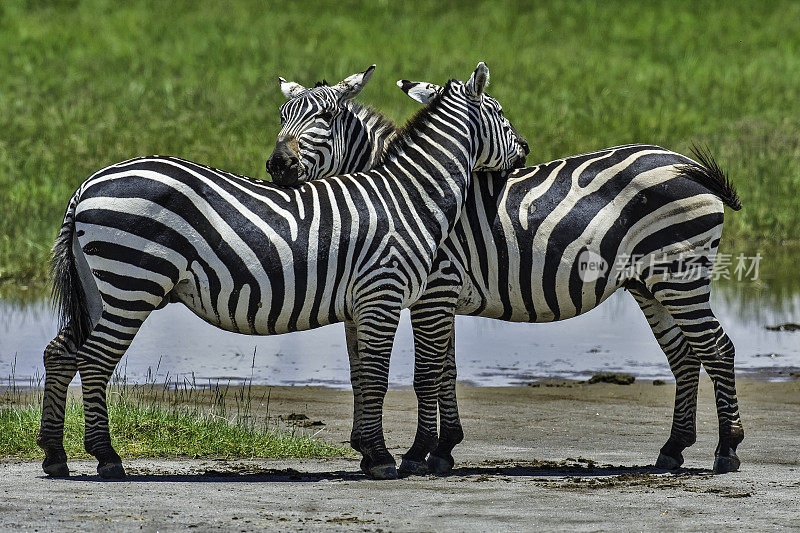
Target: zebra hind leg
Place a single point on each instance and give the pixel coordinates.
(60, 365)
(97, 359)
(692, 312)
(685, 367)
(731, 433)
(441, 460)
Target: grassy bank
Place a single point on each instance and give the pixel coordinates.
(164, 421)
(88, 83)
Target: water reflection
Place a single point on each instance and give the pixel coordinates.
(614, 336)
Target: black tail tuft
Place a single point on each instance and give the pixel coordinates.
(708, 174)
(69, 299)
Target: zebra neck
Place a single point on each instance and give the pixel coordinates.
(436, 148)
(432, 162)
(379, 140)
(370, 134)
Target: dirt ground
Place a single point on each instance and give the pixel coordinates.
(560, 455)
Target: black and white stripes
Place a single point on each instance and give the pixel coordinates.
(324, 132)
(641, 214)
(254, 258)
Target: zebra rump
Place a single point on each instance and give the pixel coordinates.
(68, 296)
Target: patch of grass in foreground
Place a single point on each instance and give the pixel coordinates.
(162, 421)
(147, 431)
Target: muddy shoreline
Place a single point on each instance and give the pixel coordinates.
(558, 455)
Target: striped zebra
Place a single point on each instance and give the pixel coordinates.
(516, 253)
(251, 257)
(340, 135)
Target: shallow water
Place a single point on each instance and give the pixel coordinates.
(613, 337)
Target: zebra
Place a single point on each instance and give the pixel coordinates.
(514, 255)
(251, 257)
(341, 135)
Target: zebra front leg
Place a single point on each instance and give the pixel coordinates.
(432, 326)
(685, 367)
(716, 352)
(375, 329)
(441, 460)
(97, 359)
(351, 337)
(60, 366)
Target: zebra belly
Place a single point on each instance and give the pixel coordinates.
(489, 303)
(236, 311)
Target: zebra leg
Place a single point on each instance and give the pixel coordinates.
(355, 380)
(433, 319)
(685, 367)
(690, 308)
(60, 366)
(97, 359)
(441, 460)
(375, 329)
(432, 328)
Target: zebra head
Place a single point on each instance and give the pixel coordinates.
(500, 146)
(314, 127)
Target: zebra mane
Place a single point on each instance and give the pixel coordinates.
(382, 124)
(414, 125)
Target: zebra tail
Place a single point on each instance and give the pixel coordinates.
(708, 174)
(68, 296)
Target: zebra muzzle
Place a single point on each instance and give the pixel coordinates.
(284, 167)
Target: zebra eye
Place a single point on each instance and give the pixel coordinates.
(326, 116)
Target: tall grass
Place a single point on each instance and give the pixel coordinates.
(167, 419)
(89, 83)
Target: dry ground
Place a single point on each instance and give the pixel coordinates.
(563, 456)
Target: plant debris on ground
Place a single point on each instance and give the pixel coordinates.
(618, 378)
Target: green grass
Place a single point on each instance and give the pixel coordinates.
(163, 421)
(90, 83)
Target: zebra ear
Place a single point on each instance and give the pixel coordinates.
(290, 89)
(350, 87)
(478, 81)
(419, 90)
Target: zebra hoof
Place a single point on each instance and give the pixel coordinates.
(668, 462)
(55, 469)
(439, 465)
(111, 471)
(365, 465)
(412, 468)
(724, 464)
(383, 472)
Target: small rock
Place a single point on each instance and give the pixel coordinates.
(789, 326)
(658, 382)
